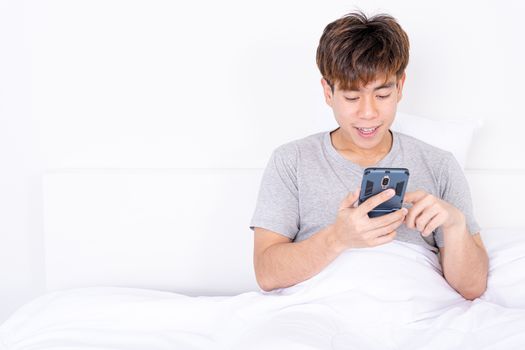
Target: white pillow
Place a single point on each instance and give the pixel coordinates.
(451, 135)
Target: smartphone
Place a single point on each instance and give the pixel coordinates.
(376, 180)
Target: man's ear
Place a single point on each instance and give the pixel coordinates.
(400, 85)
(327, 91)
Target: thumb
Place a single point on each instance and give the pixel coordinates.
(350, 201)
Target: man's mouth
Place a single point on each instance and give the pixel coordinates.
(368, 131)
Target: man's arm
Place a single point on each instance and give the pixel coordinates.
(280, 263)
(465, 262)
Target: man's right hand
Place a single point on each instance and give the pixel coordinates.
(353, 227)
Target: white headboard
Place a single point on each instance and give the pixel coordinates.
(185, 230)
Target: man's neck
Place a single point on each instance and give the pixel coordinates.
(363, 157)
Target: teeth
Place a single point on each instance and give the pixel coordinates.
(367, 130)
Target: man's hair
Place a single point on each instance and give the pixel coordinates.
(355, 50)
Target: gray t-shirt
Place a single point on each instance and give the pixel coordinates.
(306, 180)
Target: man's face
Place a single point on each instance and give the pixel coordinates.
(365, 115)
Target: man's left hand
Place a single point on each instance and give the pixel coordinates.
(429, 212)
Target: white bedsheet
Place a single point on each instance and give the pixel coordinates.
(387, 297)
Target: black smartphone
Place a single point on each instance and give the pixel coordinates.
(376, 180)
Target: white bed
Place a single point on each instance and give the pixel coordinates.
(162, 259)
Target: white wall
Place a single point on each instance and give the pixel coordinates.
(161, 84)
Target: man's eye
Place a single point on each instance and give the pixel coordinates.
(383, 96)
(351, 98)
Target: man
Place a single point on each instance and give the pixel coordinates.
(306, 213)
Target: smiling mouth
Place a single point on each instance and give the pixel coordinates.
(368, 130)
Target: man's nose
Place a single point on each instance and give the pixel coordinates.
(368, 109)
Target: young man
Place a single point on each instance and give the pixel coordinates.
(306, 212)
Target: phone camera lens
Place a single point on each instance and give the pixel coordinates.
(385, 181)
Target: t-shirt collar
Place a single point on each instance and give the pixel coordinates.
(386, 161)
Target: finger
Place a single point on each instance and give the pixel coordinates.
(415, 211)
(424, 218)
(375, 200)
(412, 197)
(387, 219)
(433, 224)
(381, 231)
(385, 238)
(350, 200)
(356, 201)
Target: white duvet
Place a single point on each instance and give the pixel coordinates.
(387, 297)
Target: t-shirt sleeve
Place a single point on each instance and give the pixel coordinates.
(277, 206)
(455, 190)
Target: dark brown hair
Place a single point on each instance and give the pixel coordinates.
(355, 50)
